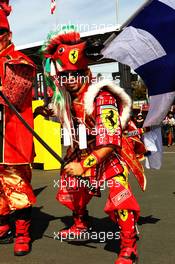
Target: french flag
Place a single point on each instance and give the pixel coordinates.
(53, 6)
(147, 45)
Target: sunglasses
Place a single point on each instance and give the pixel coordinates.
(3, 31)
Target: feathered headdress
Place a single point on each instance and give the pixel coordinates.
(63, 51)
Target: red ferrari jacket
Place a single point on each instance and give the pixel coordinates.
(16, 78)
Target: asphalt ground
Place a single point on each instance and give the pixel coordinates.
(156, 225)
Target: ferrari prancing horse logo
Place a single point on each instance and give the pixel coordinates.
(73, 56)
(90, 161)
(123, 214)
(110, 117)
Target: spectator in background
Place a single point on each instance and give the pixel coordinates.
(139, 120)
(169, 126)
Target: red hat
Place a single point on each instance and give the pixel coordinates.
(71, 57)
(67, 50)
(5, 10)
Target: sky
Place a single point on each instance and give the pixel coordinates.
(31, 20)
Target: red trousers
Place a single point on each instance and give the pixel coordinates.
(76, 197)
(15, 189)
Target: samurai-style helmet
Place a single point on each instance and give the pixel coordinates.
(65, 48)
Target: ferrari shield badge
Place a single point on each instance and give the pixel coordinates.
(89, 161)
(73, 56)
(123, 214)
(110, 118)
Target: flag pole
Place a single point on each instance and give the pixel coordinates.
(147, 2)
(43, 143)
(108, 40)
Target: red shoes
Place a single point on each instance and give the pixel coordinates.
(128, 251)
(22, 244)
(6, 235)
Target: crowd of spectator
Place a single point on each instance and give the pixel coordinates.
(168, 126)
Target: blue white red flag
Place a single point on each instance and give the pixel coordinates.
(147, 45)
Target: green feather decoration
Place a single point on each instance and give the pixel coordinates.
(47, 65)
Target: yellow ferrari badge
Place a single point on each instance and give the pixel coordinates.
(110, 118)
(123, 214)
(73, 56)
(90, 161)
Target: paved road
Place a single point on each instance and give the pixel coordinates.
(156, 226)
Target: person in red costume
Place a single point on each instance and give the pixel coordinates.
(94, 117)
(16, 144)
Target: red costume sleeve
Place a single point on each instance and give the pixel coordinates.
(109, 131)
